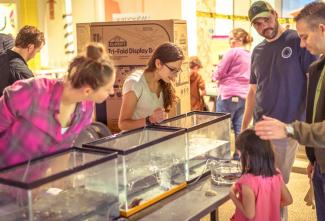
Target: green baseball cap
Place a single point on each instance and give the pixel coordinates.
(259, 9)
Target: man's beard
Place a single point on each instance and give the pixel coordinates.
(274, 32)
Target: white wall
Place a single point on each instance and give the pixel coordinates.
(53, 51)
(88, 10)
(189, 14)
(163, 9)
(156, 9)
(53, 54)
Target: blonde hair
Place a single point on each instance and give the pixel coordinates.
(240, 34)
(195, 61)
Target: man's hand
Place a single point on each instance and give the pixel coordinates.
(270, 129)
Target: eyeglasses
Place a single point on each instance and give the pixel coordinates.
(174, 70)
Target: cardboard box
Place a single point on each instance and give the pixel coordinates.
(130, 45)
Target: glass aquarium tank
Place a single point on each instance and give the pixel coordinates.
(207, 138)
(73, 184)
(151, 165)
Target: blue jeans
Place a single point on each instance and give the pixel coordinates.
(319, 192)
(235, 106)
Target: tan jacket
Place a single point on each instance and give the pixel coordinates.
(197, 84)
(313, 134)
(310, 134)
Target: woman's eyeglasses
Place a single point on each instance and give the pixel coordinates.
(174, 70)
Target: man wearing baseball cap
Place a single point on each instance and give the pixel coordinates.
(259, 9)
(277, 80)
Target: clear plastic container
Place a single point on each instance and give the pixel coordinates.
(224, 172)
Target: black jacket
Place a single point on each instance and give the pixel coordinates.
(6, 42)
(12, 68)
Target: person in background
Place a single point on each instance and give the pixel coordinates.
(40, 116)
(277, 81)
(310, 24)
(232, 75)
(13, 62)
(260, 191)
(6, 42)
(149, 94)
(197, 85)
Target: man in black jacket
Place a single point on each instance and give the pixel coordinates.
(13, 62)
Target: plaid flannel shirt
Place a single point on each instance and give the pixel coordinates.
(28, 120)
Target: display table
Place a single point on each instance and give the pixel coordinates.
(188, 204)
(211, 95)
(211, 89)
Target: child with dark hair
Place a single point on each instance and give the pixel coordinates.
(197, 84)
(149, 94)
(260, 192)
(40, 116)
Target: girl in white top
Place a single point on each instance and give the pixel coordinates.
(149, 94)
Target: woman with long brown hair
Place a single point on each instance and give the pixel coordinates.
(149, 94)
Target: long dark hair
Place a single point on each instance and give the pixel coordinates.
(166, 52)
(94, 68)
(257, 155)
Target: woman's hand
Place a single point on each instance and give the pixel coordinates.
(158, 115)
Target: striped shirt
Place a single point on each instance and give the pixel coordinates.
(29, 126)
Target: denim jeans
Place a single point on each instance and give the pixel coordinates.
(235, 106)
(319, 192)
